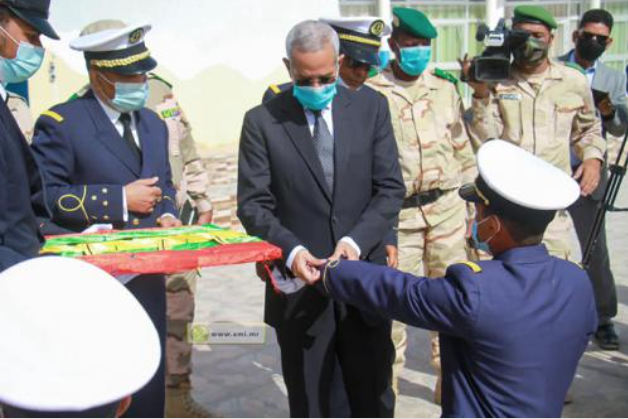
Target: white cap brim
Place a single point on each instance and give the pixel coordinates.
(524, 179)
(73, 338)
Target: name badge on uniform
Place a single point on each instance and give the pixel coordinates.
(170, 112)
(509, 96)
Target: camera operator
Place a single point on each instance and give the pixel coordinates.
(544, 107)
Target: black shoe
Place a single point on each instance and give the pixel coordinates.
(607, 338)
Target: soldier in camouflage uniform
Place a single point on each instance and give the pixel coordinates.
(192, 182)
(436, 158)
(546, 107)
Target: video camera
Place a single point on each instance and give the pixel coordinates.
(494, 63)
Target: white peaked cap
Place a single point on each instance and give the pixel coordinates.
(114, 39)
(73, 338)
(524, 179)
(364, 25)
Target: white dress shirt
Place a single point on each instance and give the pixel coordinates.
(114, 117)
(327, 115)
(3, 93)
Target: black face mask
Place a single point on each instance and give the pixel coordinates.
(589, 49)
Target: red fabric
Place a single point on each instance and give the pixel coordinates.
(181, 261)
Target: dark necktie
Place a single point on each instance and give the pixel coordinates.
(127, 134)
(324, 145)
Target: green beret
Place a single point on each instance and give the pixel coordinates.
(413, 22)
(534, 14)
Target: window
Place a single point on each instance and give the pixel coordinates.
(457, 22)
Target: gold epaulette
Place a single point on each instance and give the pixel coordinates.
(276, 90)
(53, 115)
(474, 266)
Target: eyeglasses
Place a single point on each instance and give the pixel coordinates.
(313, 81)
(355, 64)
(587, 36)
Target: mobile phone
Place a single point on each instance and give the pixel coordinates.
(599, 95)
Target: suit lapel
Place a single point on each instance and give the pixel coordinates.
(15, 133)
(107, 134)
(343, 125)
(297, 128)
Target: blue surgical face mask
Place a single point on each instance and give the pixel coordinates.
(384, 59)
(315, 98)
(477, 243)
(475, 237)
(129, 97)
(25, 64)
(414, 60)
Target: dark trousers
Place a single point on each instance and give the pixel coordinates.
(583, 214)
(150, 291)
(336, 364)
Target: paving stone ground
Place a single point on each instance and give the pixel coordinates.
(246, 380)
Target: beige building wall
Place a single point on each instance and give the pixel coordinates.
(220, 56)
(215, 100)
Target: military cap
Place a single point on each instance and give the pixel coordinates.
(73, 337)
(518, 184)
(413, 22)
(112, 45)
(534, 14)
(33, 12)
(360, 37)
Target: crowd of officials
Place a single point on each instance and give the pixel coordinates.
(392, 202)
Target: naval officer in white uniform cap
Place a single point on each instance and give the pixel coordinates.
(512, 329)
(65, 352)
(105, 160)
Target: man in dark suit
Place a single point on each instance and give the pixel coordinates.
(319, 177)
(105, 161)
(22, 22)
(592, 38)
(360, 42)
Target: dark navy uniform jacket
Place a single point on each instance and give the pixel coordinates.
(20, 181)
(86, 164)
(512, 330)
